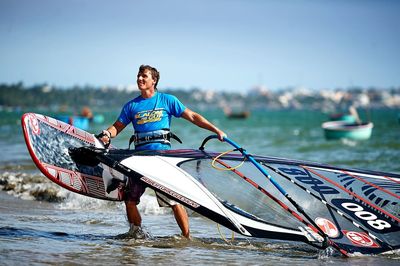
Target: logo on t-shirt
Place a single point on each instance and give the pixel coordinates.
(151, 116)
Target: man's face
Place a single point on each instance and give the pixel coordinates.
(145, 80)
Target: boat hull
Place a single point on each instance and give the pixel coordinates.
(345, 130)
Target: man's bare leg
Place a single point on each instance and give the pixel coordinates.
(182, 219)
(132, 213)
(135, 221)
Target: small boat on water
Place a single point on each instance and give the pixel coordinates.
(347, 126)
(238, 115)
(237, 112)
(346, 130)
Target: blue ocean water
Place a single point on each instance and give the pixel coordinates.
(41, 223)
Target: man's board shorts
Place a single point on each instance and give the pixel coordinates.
(134, 190)
(164, 201)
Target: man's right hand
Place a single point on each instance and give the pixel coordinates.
(105, 137)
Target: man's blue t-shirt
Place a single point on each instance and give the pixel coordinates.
(151, 114)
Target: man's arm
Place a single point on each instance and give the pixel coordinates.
(116, 128)
(112, 131)
(200, 121)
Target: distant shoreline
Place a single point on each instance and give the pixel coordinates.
(330, 100)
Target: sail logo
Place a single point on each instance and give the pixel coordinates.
(170, 192)
(371, 218)
(367, 216)
(328, 227)
(306, 178)
(360, 239)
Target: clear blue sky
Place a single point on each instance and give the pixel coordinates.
(210, 44)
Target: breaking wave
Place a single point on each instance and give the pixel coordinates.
(31, 187)
(39, 188)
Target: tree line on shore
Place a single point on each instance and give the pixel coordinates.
(55, 98)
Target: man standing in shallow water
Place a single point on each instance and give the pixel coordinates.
(150, 114)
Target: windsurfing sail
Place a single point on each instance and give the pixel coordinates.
(48, 141)
(351, 210)
(354, 211)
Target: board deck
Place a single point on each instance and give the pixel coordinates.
(48, 141)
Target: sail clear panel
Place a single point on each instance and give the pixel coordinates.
(241, 195)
